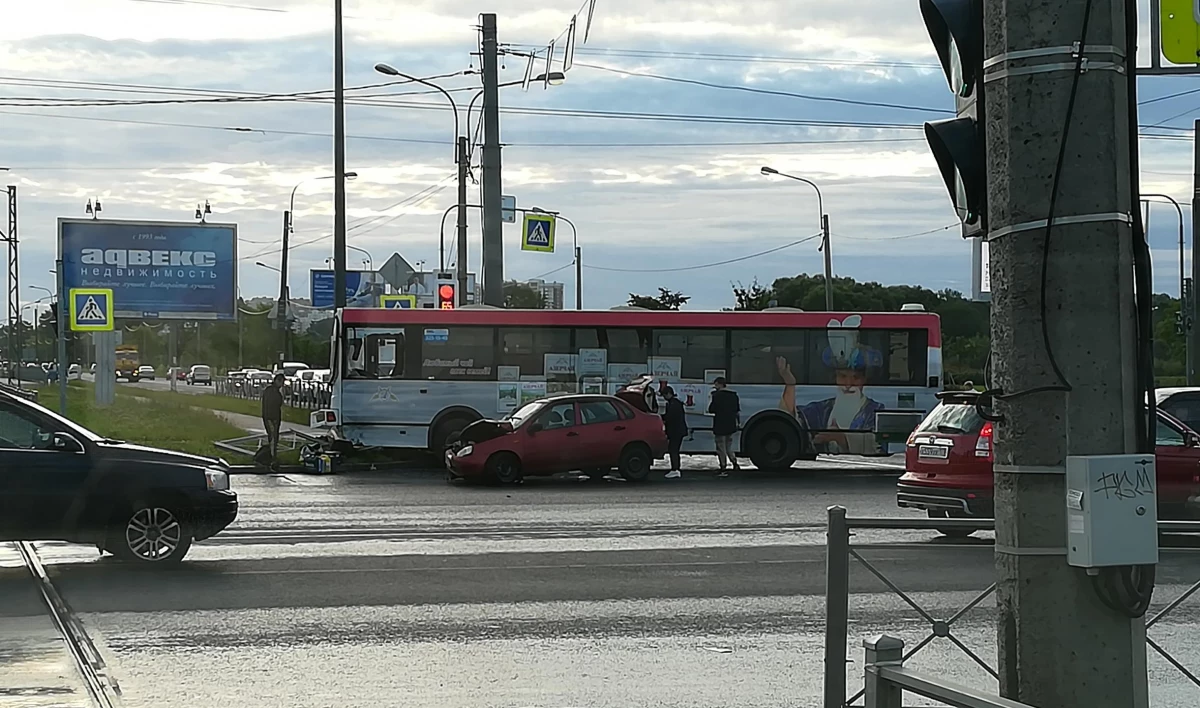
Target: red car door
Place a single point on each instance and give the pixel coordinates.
(604, 434)
(1177, 461)
(550, 438)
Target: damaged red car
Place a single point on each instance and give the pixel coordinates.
(589, 433)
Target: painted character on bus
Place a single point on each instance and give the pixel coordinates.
(849, 409)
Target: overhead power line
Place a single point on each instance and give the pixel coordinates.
(705, 265)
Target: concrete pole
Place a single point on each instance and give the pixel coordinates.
(281, 319)
(828, 262)
(63, 365)
(339, 160)
(493, 233)
(1058, 644)
(1193, 333)
(464, 163)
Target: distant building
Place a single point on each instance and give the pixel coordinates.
(551, 292)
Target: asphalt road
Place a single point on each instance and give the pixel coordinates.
(379, 590)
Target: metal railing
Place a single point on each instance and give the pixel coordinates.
(309, 395)
(839, 552)
(885, 681)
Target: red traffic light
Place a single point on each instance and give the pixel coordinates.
(445, 296)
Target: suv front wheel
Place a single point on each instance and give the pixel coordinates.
(153, 533)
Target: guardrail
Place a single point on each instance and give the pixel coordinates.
(885, 680)
(839, 552)
(309, 395)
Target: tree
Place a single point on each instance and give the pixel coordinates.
(666, 300)
(522, 296)
(752, 297)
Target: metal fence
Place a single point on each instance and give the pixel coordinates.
(839, 552)
(885, 680)
(309, 395)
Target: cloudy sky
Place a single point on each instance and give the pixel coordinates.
(670, 194)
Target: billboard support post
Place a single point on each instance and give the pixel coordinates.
(171, 356)
(63, 366)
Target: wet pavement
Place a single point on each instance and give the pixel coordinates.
(385, 590)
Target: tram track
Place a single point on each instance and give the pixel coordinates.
(102, 689)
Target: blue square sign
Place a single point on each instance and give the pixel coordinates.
(91, 309)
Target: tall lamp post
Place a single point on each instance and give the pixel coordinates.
(824, 231)
(288, 229)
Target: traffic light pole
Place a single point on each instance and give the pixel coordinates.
(1193, 334)
(1064, 333)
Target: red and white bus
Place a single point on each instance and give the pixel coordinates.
(809, 382)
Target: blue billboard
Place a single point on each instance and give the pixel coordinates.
(156, 269)
(363, 288)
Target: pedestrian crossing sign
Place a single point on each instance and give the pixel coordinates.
(91, 310)
(538, 233)
(398, 302)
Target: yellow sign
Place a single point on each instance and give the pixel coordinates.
(1180, 31)
(398, 302)
(91, 309)
(537, 233)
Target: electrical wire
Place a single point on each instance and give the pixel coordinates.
(768, 92)
(1063, 384)
(741, 58)
(940, 229)
(705, 265)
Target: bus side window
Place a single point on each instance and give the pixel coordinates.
(385, 355)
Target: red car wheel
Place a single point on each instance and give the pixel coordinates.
(505, 468)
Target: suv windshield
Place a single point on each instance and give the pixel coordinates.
(958, 417)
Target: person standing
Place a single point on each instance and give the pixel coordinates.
(675, 423)
(726, 411)
(272, 415)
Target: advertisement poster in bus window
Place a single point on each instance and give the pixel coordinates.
(560, 373)
(508, 395)
(849, 406)
(694, 396)
(592, 362)
(621, 374)
(532, 391)
(508, 373)
(592, 384)
(711, 375)
(666, 368)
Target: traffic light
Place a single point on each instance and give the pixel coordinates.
(958, 144)
(54, 317)
(446, 292)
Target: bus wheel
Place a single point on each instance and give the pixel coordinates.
(773, 444)
(446, 432)
(505, 468)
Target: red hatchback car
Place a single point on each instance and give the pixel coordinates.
(948, 464)
(586, 432)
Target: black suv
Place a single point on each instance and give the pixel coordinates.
(60, 481)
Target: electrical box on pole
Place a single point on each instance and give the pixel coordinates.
(958, 145)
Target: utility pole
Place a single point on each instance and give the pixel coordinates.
(578, 279)
(1063, 345)
(339, 161)
(63, 365)
(828, 262)
(464, 164)
(281, 317)
(493, 234)
(1192, 331)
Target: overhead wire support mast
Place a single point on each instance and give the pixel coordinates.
(14, 288)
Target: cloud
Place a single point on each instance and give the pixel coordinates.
(676, 193)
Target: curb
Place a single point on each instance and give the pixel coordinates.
(344, 468)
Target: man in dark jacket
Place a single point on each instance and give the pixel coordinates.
(726, 411)
(675, 423)
(272, 414)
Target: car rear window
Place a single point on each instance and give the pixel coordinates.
(959, 416)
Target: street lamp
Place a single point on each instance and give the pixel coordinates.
(1185, 293)
(768, 171)
(575, 243)
(292, 200)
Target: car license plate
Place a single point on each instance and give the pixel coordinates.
(934, 451)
